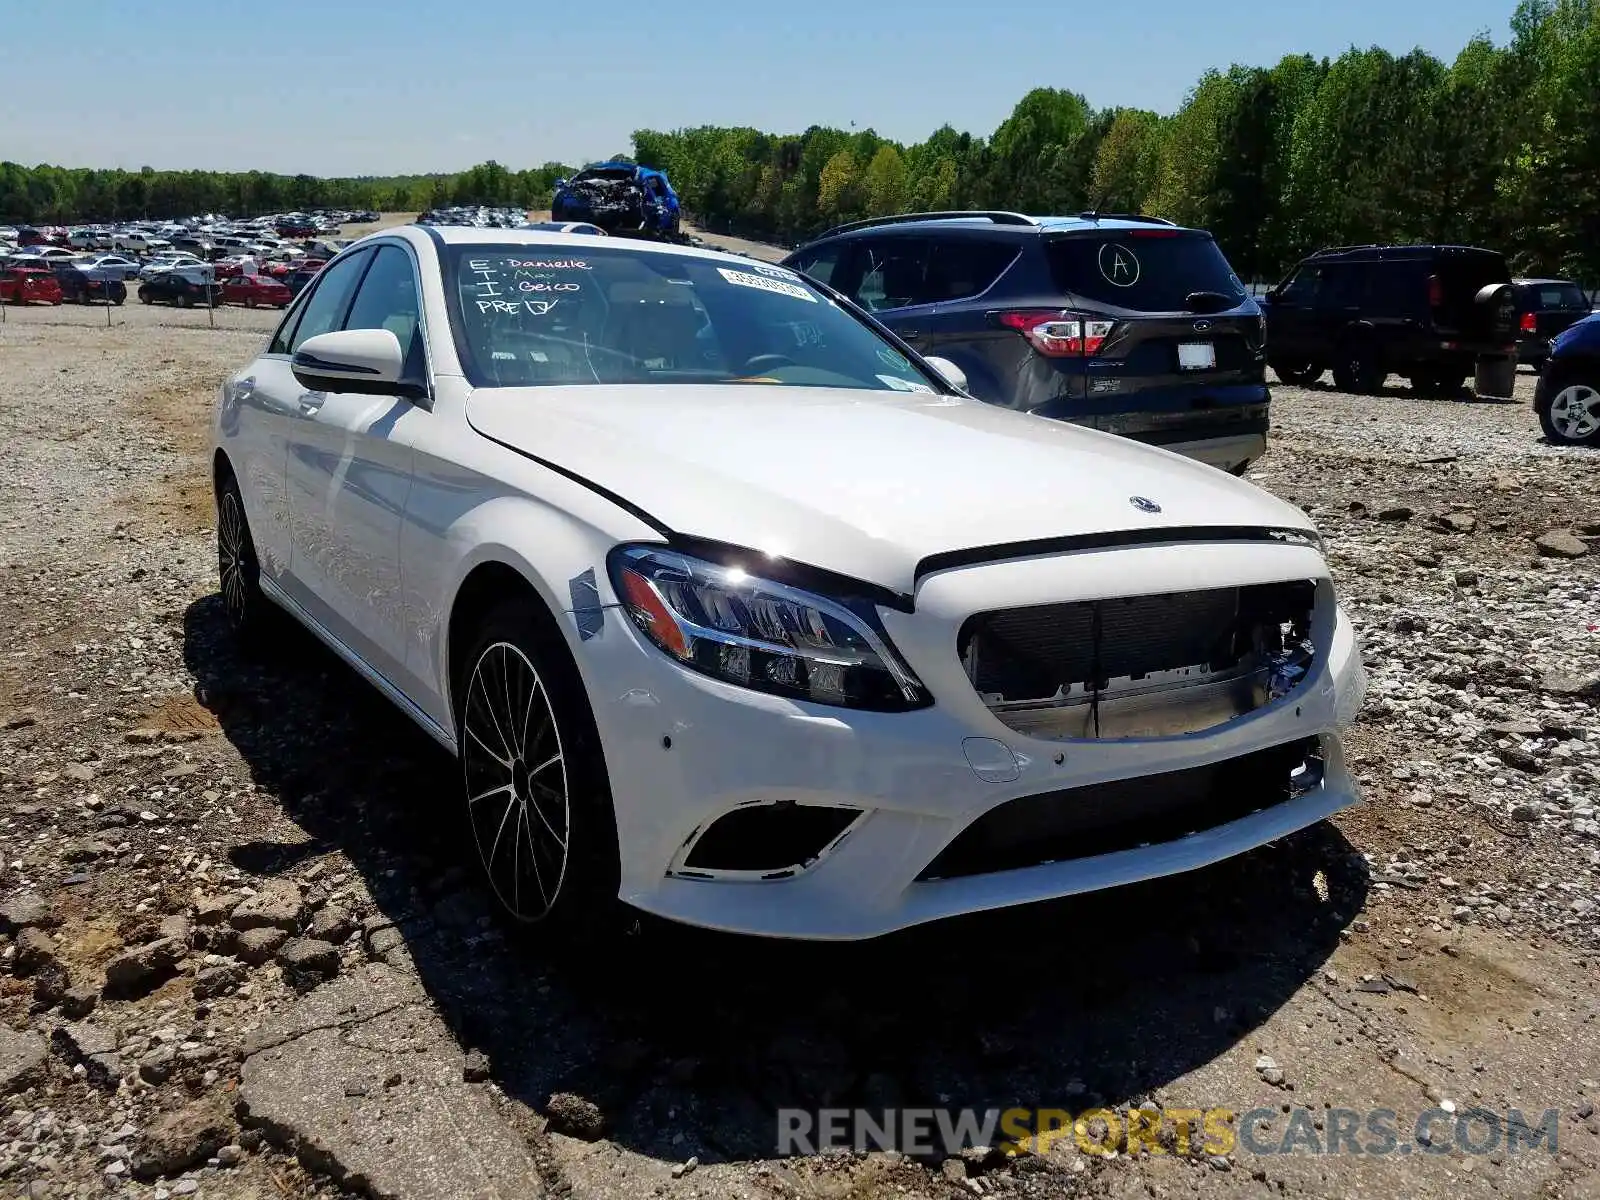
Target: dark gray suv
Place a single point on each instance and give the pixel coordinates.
(1126, 324)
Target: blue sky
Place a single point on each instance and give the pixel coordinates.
(361, 87)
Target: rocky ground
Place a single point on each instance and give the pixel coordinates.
(237, 959)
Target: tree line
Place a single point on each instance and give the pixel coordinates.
(62, 195)
(1500, 147)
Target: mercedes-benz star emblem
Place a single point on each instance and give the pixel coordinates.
(1144, 504)
(1201, 326)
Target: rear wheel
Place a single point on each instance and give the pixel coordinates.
(1572, 418)
(538, 805)
(1356, 368)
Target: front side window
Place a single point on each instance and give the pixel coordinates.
(534, 314)
(388, 300)
(821, 262)
(325, 308)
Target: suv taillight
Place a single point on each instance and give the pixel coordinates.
(1435, 291)
(1059, 334)
(1530, 323)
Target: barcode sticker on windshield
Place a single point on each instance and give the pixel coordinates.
(760, 282)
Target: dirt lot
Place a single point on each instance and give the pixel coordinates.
(170, 813)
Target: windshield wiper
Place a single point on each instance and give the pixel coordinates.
(1208, 302)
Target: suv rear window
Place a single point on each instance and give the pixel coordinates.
(1149, 270)
(1558, 296)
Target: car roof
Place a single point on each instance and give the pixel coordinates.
(1001, 221)
(1379, 253)
(1520, 282)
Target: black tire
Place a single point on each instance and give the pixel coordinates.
(144, 296)
(119, 294)
(541, 784)
(248, 610)
(188, 299)
(1356, 368)
(1569, 395)
(1298, 371)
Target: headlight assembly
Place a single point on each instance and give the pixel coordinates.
(756, 633)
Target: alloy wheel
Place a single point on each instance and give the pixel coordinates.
(516, 781)
(235, 560)
(1575, 412)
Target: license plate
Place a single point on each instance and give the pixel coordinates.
(1196, 356)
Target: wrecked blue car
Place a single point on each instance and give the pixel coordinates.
(621, 198)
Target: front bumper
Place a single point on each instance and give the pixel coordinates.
(683, 749)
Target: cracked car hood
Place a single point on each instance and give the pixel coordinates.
(863, 483)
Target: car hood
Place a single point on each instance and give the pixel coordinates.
(863, 483)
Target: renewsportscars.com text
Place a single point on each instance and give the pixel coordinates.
(1183, 1131)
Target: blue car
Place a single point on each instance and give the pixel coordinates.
(1567, 399)
(1123, 323)
(619, 197)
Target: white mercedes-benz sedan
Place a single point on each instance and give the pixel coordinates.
(736, 609)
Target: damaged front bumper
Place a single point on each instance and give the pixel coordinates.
(849, 824)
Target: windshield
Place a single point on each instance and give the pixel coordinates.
(551, 314)
(1146, 270)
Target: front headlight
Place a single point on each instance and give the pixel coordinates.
(760, 634)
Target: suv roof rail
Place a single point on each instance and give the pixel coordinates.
(998, 216)
(1092, 215)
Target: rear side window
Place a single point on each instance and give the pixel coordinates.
(962, 267)
(1148, 270)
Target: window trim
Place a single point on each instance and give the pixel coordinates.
(291, 319)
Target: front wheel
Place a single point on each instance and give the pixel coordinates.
(538, 804)
(1301, 371)
(1572, 418)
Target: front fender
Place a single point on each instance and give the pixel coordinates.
(551, 531)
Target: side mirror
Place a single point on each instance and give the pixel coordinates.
(368, 361)
(952, 374)
(1270, 297)
(561, 183)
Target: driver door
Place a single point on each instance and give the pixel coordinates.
(350, 461)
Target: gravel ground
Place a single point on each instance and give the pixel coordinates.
(237, 959)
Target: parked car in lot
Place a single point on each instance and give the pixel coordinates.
(254, 291)
(28, 285)
(81, 284)
(702, 575)
(1545, 309)
(109, 265)
(179, 287)
(139, 241)
(170, 261)
(1129, 325)
(1567, 398)
(1429, 313)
